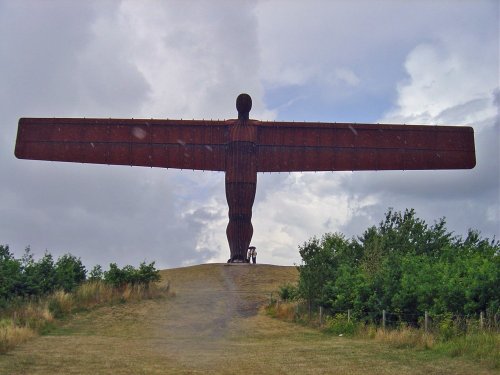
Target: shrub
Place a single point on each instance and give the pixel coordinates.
(339, 324)
(115, 276)
(288, 292)
(145, 275)
(447, 327)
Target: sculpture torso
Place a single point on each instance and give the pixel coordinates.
(241, 184)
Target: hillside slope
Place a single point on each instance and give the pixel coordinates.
(212, 326)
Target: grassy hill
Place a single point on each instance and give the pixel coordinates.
(212, 326)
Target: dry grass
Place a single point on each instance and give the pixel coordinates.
(405, 337)
(283, 310)
(93, 293)
(12, 335)
(213, 326)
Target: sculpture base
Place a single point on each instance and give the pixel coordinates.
(237, 261)
(236, 264)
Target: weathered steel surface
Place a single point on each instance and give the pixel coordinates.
(279, 146)
(353, 147)
(151, 143)
(243, 147)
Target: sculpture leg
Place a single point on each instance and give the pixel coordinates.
(240, 197)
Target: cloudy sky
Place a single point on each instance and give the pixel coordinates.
(414, 62)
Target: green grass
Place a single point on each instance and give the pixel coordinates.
(483, 347)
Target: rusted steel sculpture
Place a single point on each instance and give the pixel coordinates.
(243, 147)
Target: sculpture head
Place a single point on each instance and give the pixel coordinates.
(243, 105)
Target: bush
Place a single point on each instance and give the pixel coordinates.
(115, 276)
(288, 292)
(404, 265)
(447, 328)
(29, 278)
(146, 274)
(339, 325)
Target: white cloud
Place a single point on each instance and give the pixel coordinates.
(196, 57)
(446, 78)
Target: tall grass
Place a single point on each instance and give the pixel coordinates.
(404, 337)
(482, 346)
(26, 319)
(283, 311)
(12, 335)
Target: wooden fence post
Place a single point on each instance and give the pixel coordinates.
(426, 322)
(383, 319)
(481, 320)
(321, 316)
(348, 315)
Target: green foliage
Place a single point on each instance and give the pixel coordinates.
(10, 274)
(340, 325)
(96, 273)
(288, 292)
(26, 277)
(144, 275)
(446, 327)
(482, 346)
(69, 272)
(320, 264)
(404, 266)
(115, 276)
(147, 274)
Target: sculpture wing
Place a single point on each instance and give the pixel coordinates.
(153, 143)
(296, 146)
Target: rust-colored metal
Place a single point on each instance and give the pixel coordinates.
(243, 147)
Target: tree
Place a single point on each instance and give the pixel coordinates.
(404, 266)
(69, 272)
(320, 263)
(10, 274)
(96, 273)
(147, 274)
(115, 276)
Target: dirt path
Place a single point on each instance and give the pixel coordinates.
(212, 326)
